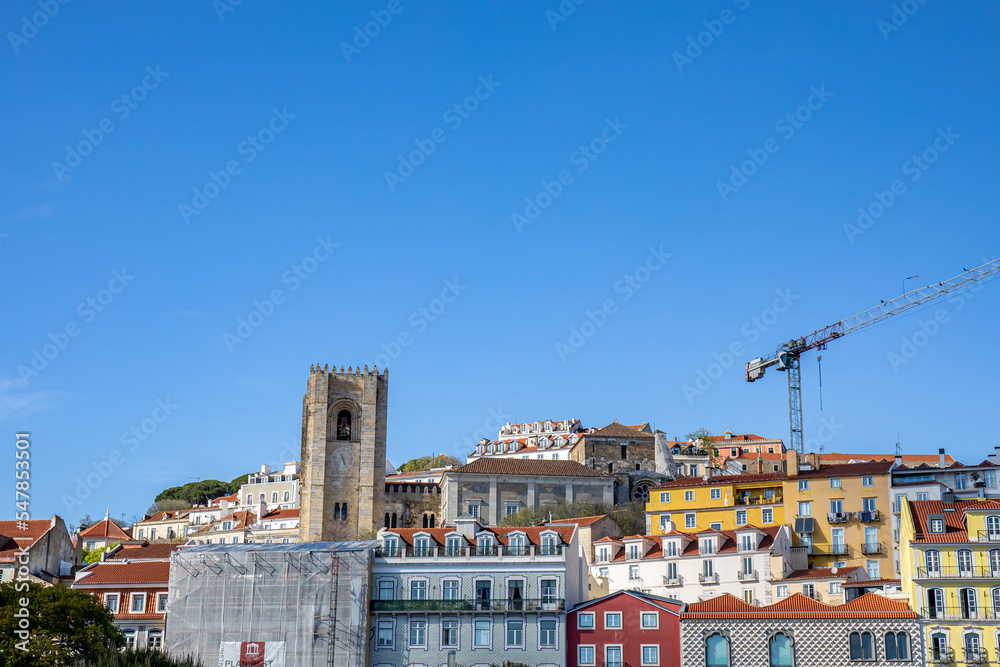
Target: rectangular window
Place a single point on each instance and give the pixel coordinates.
(782, 591)
(474, 510)
(803, 485)
(716, 494)
(138, 603)
(286, 498)
(585, 620)
(650, 655)
(872, 567)
(715, 525)
(664, 518)
(748, 542)
(990, 478)
(741, 517)
(809, 590)
(960, 480)
(834, 482)
(602, 572)
(689, 496)
(767, 516)
(481, 633)
(449, 633)
(633, 572)
(418, 589)
(418, 632)
(868, 504)
(161, 602)
(867, 480)
(921, 496)
(111, 600)
(449, 589)
(548, 589)
(274, 497)
(511, 509)
(547, 633)
(612, 620)
(835, 588)
(837, 506)
(805, 508)
(690, 521)
(664, 496)
(585, 655)
(386, 589)
(650, 619)
(384, 634)
(515, 632)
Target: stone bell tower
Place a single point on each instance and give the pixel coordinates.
(343, 453)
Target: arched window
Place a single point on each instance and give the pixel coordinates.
(935, 603)
(993, 528)
(973, 645)
(425, 521)
(432, 520)
(862, 646)
(780, 650)
(897, 646)
(393, 520)
(995, 562)
(964, 562)
(343, 512)
(336, 511)
(344, 425)
(717, 650)
(967, 602)
(995, 597)
(932, 562)
(387, 520)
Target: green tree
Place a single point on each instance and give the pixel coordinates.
(65, 625)
(168, 505)
(705, 436)
(237, 482)
(94, 555)
(138, 658)
(428, 462)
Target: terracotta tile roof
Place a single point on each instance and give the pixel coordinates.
(865, 583)
(907, 458)
(798, 606)
(722, 479)
(111, 572)
(737, 438)
(848, 470)
(12, 539)
(616, 430)
(166, 515)
(954, 522)
(820, 573)
(539, 467)
(727, 543)
(156, 550)
(281, 514)
(105, 529)
(241, 520)
(671, 605)
(532, 533)
(582, 521)
(608, 539)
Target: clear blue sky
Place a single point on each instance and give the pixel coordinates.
(659, 132)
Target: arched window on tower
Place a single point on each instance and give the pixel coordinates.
(393, 520)
(343, 512)
(425, 521)
(336, 511)
(432, 520)
(344, 425)
(387, 520)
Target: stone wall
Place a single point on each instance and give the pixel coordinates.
(408, 504)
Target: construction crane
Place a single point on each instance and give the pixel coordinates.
(786, 358)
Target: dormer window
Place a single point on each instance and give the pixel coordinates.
(453, 545)
(603, 555)
(516, 545)
(549, 545)
(707, 546)
(484, 545)
(748, 542)
(936, 524)
(390, 546)
(422, 546)
(670, 548)
(634, 552)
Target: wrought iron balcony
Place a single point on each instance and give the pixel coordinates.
(708, 578)
(952, 572)
(673, 581)
(748, 576)
(470, 550)
(871, 548)
(836, 549)
(868, 517)
(836, 517)
(976, 656)
(523, 605)
(961, 613)
(941, 655)
(989, 536)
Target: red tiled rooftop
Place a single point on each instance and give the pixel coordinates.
(616, 430)
(581, 521)
(539, 467)
(798, 606)
(145, 550)
(847, 470)
(105, 529)
(820, 573)
(532, 533)
(111, 572)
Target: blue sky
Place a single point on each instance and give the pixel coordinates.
(249, 156)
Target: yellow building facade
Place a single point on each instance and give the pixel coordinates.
(724, 502)
(842, 514)
(950, 562)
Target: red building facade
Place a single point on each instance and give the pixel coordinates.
(624, 629)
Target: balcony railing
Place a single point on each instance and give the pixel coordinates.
(706, 551)
(871, 548)
(959, 614)
(836, 517)
(952, 572)
(673, 581)
(526, 604)
(837, 549)
(759, 500)
(748, 576)
(708, 578)
(989, 536)
(868, 517)
(941, 655)
(470, 551)
(615, 663)
(976, 656)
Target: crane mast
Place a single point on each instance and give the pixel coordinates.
(787, 357)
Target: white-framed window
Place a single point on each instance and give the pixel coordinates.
(481, 634)
(449, 633)
(386, 589)
(602, 572)
(547, 633)
(227, 525)
(689, 496)
(937, 525)
(651, 654)
(834, 482)
(111, 602)
(650, 619)
(805, 508)
(835, 588)
(515, 633)
(741, 517)
(872, 568)
(161, 602)
(585, 654)
(138, 603)
(633, 572)
(767, 516)
(474, 510)
(715, 494)
(386, 634)
(418, 589)
(664, 518)
(809, 590)
(803, 485)
(690, 521)
(130, 638)
(868, 504)
(418, 633)
(585, 620)
(286, 497)
(921, 496)
(154, 639)
(510, 509)
(665, 497)
(781, 590)
(612, 620)
(867, 480)
(274, 497)
(449, 589)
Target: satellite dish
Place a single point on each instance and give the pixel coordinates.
(704, 478)
(833, 570)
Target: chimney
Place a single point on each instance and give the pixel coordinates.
(224, 509)
(265, 469)
(261, 510)
(941, 458)
(760, 463)
(792, 458)
(467, 526)
(899, 461)
(669, 527)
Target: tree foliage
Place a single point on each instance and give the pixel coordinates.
(428, 462)
(631, 517)
(139, 658)
(65, 625)
(94, 555)
(168, 505)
